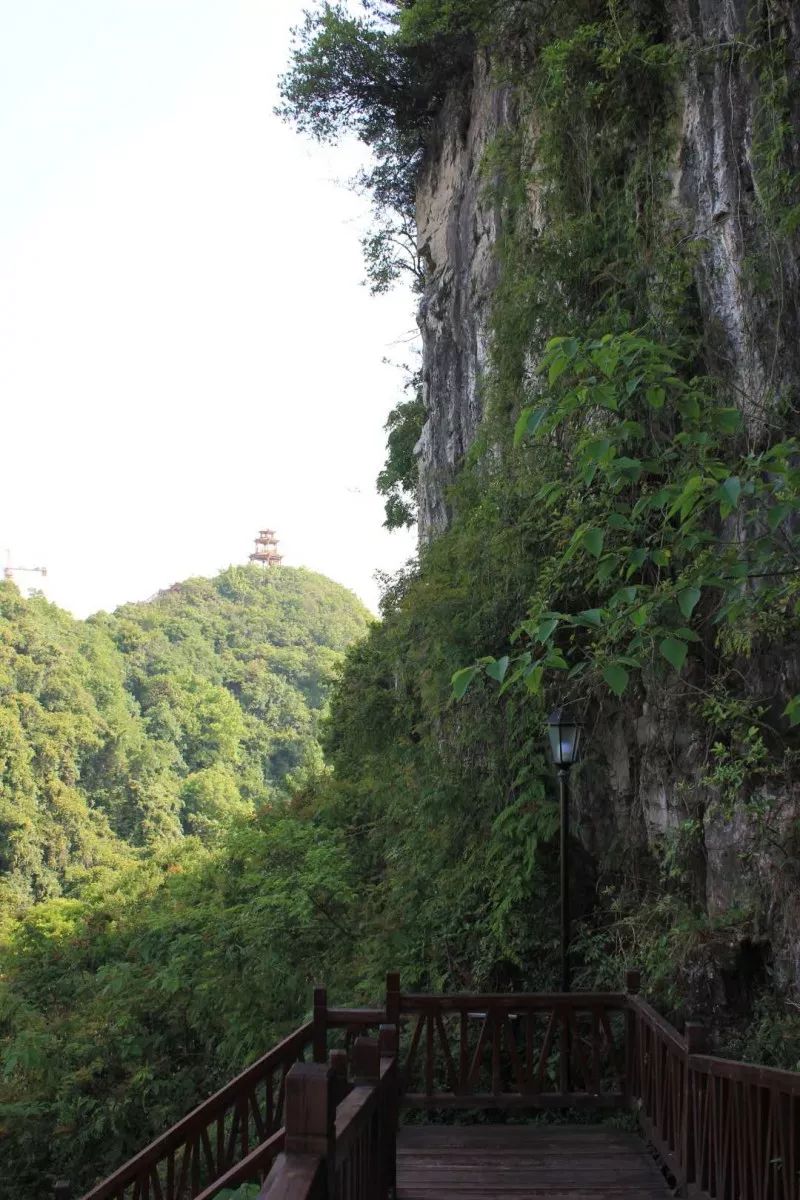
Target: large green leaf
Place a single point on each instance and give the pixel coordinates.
(687, 599)
(497, 669)
(730, 491)
(777, 515)
(589, 616)
(593, 541)
(674, 651)
(529, 421)
(728, 420)
(462, 679)
(545, 628)
(616, 677)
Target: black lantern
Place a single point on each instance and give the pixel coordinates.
(565, 736)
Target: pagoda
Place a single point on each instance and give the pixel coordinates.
(266, 551)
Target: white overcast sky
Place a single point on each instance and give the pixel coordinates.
(186, 348)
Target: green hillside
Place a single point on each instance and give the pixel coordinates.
(149, 863)
(161, 720)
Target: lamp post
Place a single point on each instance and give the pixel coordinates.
(565, 736)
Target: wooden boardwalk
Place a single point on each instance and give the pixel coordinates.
(518, 1162)
(308, 1120)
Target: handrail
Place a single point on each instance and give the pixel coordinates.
(358, 1106)
(233, 1109)
(253, 1165)
(723, 1129)
(751, 1073)
(346, 1152)
(513, 1050)
(454, 1001)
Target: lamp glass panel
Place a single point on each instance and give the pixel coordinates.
(564, 741)
(570, 737)
(554, 732)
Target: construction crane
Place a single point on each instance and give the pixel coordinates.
(8, 569)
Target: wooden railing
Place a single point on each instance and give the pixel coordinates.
(239, 1128)
(344, 1151)
(513, 1051)
(325, 1129)
(723, 1129)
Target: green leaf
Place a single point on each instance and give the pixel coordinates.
(533, 678)
(607, 568)
(529, 421)
(618, 521)
(728, 420)
(545, 628)
(689, 406)
(605, 396)
(497, 670)
(593, 541)
(730, 491)
(674, 651)
(629, 468)
(590, 616)
(557, 367)
(462, 679)
(616, 677)
(598, 448)
(687, 599)
(606, 359)
(792, 710)
(777, 515)
(656, 397)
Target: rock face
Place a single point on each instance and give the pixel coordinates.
(457, 234)
(652, 758)
(752, 337)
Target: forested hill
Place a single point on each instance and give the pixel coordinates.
(160, 906)
(161, 720)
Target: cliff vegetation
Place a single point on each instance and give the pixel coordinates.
(602, 451)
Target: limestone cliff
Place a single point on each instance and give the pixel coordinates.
(457, 237)
(647, 757)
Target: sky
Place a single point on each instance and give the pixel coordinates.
(187, 350)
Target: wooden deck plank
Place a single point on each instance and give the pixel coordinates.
(524, 1162)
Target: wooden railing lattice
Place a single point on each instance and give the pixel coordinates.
(307, 1122)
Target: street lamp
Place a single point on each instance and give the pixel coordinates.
(565, 736)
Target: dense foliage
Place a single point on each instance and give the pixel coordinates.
(146, 861)
(635, 543)
(636, 540)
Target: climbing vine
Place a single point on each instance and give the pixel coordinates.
(673, 523)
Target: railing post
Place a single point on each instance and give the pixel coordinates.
(387, 1041)
(388, 1046)
(365, 1068)
(62, 1190)
(633, 982)
(695, 1035)
(337, 1061)
(320, 1036)
(393, 998)
(310, 1116)
(365, 1060)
